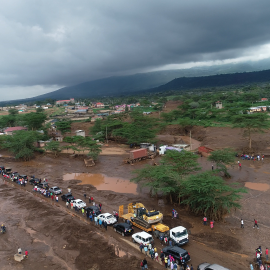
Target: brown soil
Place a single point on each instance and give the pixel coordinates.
(58, 238)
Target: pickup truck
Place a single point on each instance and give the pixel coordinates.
(67, 197)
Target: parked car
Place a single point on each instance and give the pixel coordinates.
(43, 185)
(123, 228)
(208, 266)
(34, 181)
(55, 190)
(142, 237)
(94, 210)
(67, 197)
(8, 171)
(79, 203)
(25, 177)
(177, 253)
(2, 169)
(109, 218)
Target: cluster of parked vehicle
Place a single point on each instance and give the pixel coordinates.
(148, 221)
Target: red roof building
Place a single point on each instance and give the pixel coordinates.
(264, 99)
(9, 131)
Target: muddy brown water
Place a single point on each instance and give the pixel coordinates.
(103, 182)
(257, 186)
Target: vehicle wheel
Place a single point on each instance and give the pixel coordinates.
(133, 240)
(115, 230)
(123, 234)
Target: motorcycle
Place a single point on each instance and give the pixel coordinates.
(3, 230)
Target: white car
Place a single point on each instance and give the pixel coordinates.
(110, 219)
(79, 203)
(142, 237)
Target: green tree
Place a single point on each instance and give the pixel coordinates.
(13, 111)
(22, 144)
(39, 110)
(223, 158)
(34, 121)
(208, 194)
(53, 147)
(64, 126)
(167, 177)
(251, 123)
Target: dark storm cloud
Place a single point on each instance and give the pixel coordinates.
(63, 42)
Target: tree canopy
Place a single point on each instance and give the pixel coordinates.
(207, 194)
(251, 123)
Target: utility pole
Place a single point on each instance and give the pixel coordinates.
(106, 135)
(190, 140)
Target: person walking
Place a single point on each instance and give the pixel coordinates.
(100, 205)
(172, 213)
(84, 196)
(242, 223)
(141, 264)
(145, 250)
(92, 199)
(156, 256)
(145, 263)
(83, 211)
(26, 254)
(96, 220)
(240, 165)
(56, 198)
(266, 254)
(212, 167)
(151, 253)
(205, 221)
(251, 267)
(105, 225)
(100, 223)
(191, 267)
(67, 204)
(19, 250)
(166, 261)
(255, 224)
(89, 199)
(212, 224)
(141, 247)
(170, 243)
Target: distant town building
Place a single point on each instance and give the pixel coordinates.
(264, 99)
(9, 131)
(219, 105)
(60, 102)
(80, 133)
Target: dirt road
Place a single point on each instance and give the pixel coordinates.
(58, 238)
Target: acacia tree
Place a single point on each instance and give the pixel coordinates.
(167, 177)
(207, 194)
(22, 143)
(222, 158)
(54, 147)
(251, 123)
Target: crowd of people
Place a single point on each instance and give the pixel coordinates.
(168, 261)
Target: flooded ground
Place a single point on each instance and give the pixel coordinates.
(103, 182)
(257, 186)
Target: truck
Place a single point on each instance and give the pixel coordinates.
(138, 154)
(178, 235)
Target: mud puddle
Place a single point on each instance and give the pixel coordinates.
(103, 182)
(257, 186)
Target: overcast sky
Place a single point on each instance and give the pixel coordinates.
(47, 44)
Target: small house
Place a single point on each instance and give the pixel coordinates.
(219, 105)
(80, 133)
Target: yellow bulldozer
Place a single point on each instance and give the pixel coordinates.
(145, 220)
